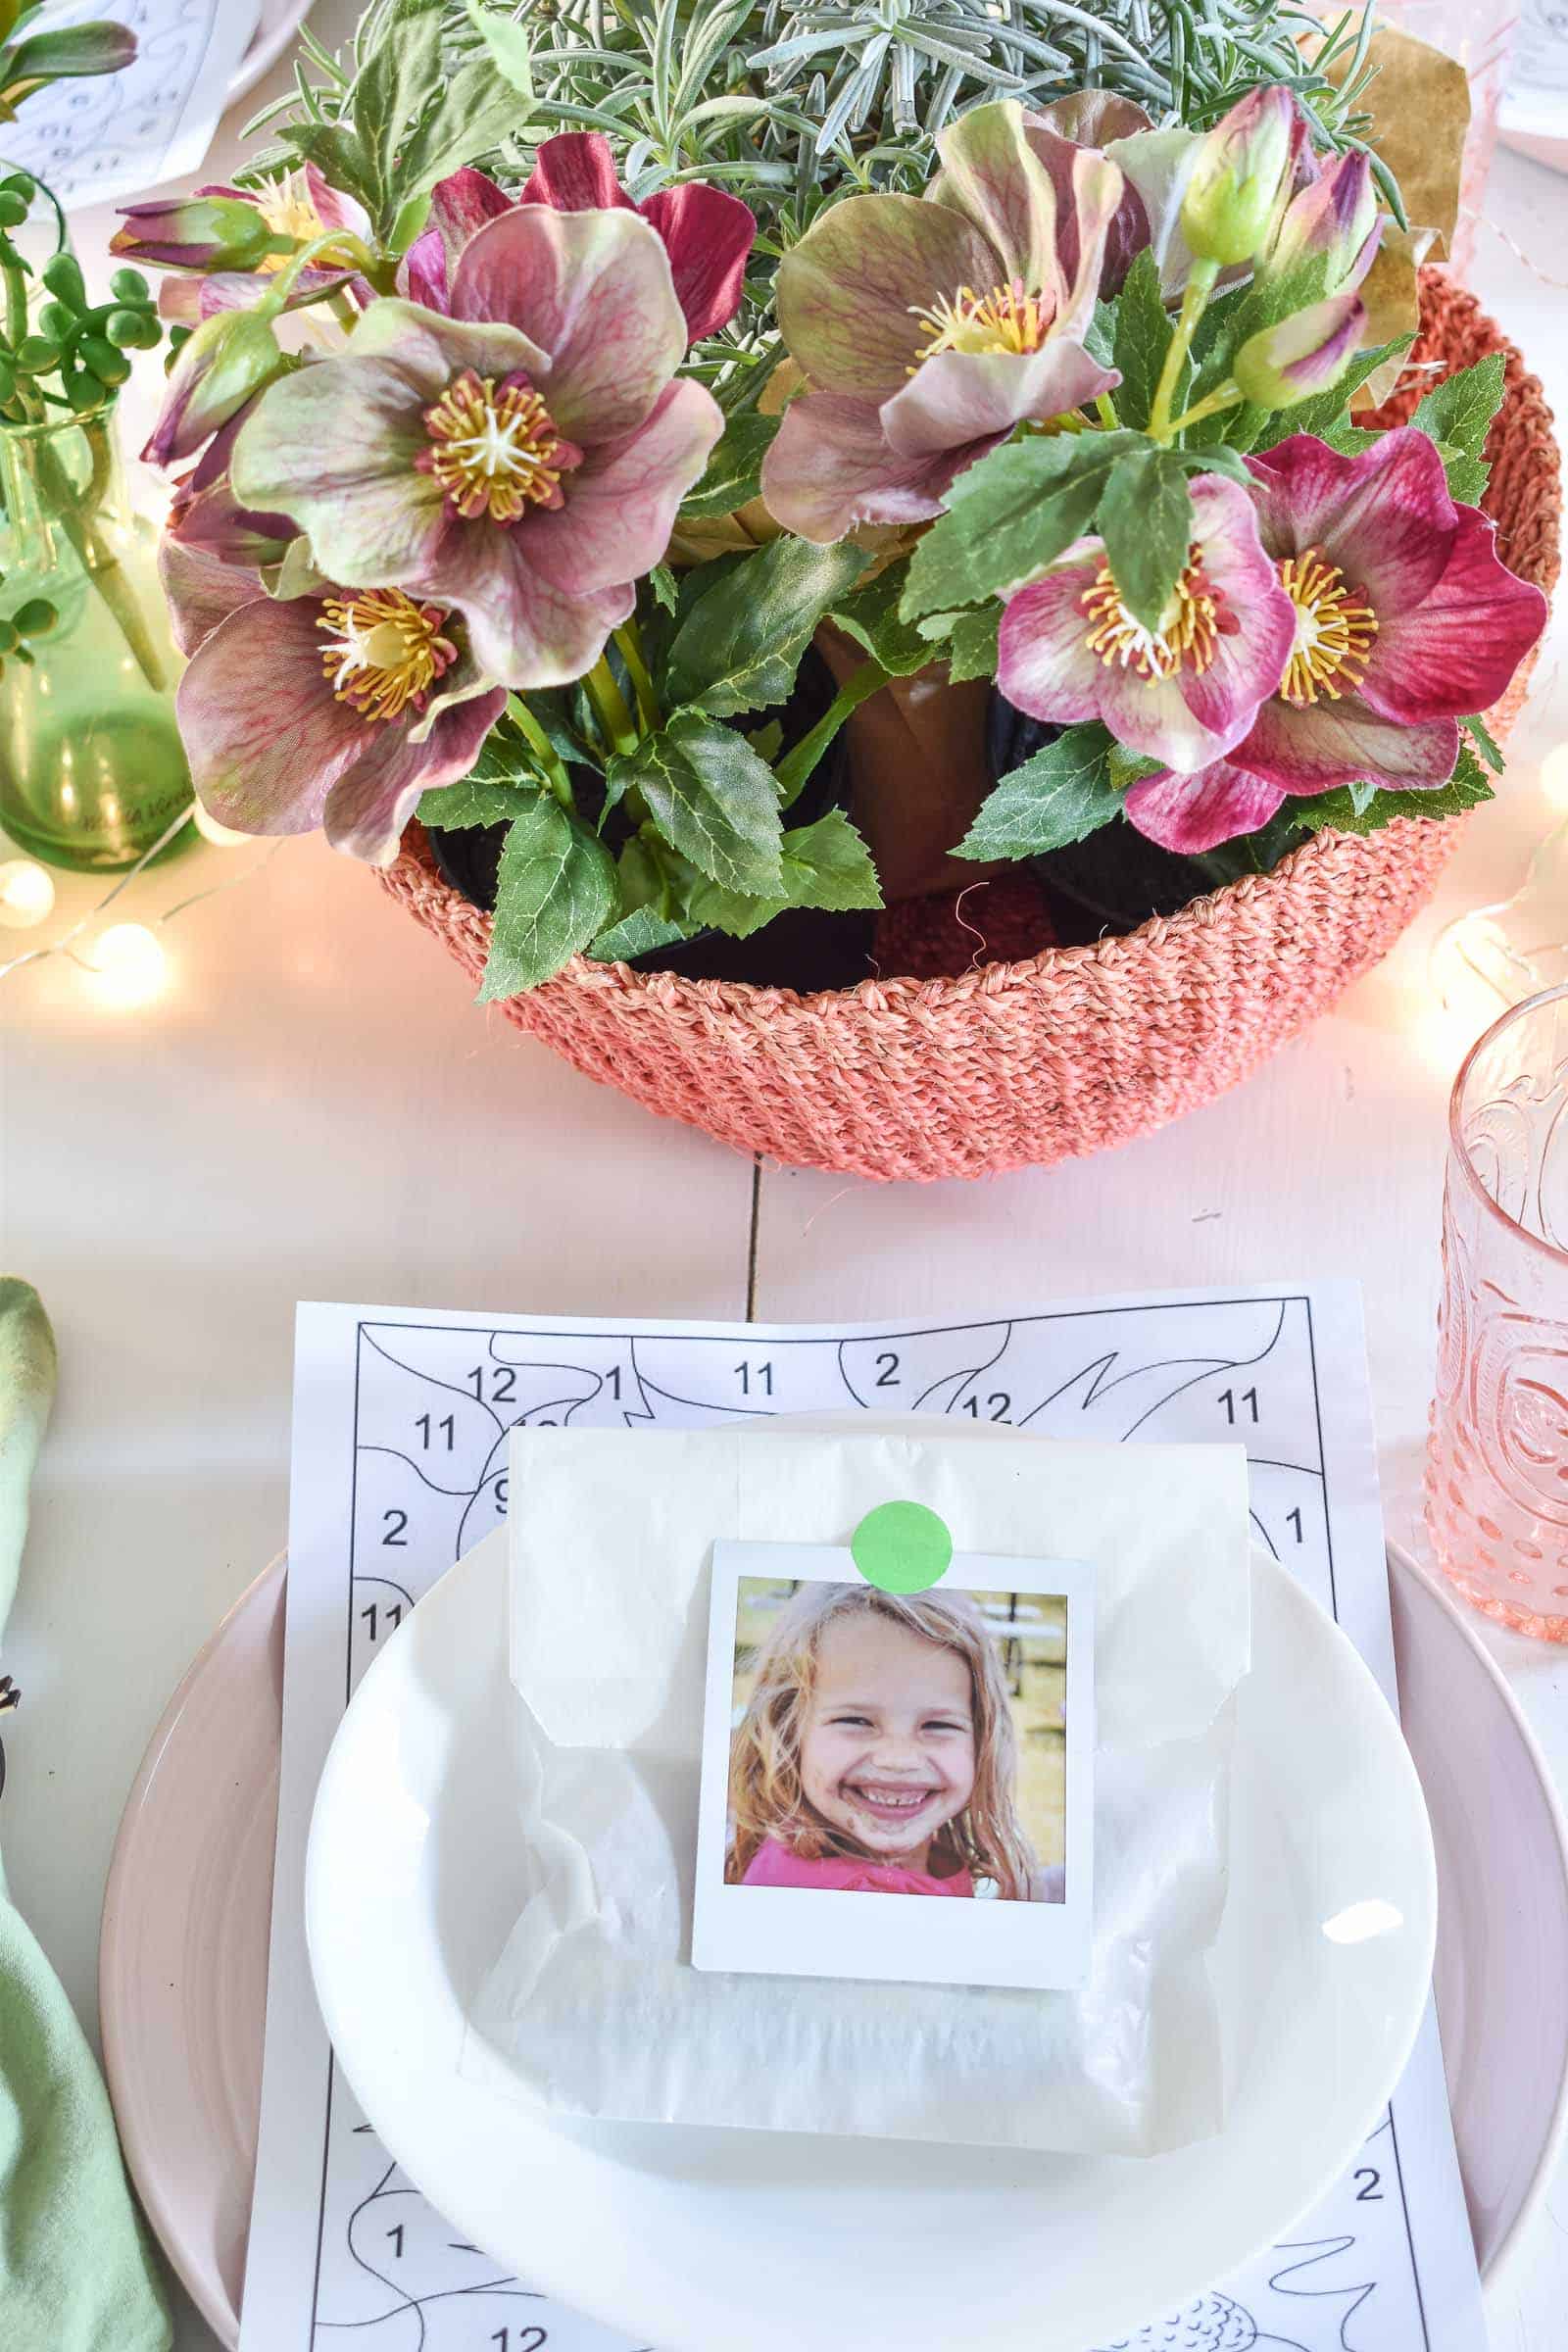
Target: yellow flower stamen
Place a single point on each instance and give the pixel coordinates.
(1189, 632)
(383, 651)
(495, 451)
(285, 204)
(1334, 630)
(1005, 320)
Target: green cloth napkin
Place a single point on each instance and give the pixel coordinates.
(75, 2271)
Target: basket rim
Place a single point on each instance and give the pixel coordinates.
(740, 996)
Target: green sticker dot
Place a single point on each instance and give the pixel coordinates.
(901, 1547)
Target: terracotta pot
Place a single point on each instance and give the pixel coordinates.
(1065, 1051)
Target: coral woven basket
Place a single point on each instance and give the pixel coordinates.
(1020, 1063)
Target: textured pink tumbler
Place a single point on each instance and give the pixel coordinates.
(1497, 1456)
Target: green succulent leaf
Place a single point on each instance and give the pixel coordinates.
(555, 891)
(1060, 796)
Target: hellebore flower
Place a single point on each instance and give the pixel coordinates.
(208, 233)
(520, 461)
(1302, 355)
(1240, 178)
(214, 551)
(1404, 620)
(1335, 219)
(707, 234)
(335, 709)
(227, 361)
(1184, 693)
(929, 326)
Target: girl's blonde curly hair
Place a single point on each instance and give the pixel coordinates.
(767, 1798)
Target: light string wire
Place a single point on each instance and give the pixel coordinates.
(65, 945)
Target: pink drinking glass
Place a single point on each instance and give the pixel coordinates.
(1497, 1481)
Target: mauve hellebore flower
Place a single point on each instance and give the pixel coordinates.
(1403, 620)
(336, 709)
(929, 326)
(707, 234)
(1070, 651)
(520, 459)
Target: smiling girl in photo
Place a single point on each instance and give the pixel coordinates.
(877, 1754)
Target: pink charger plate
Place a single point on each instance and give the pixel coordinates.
(182, 1967)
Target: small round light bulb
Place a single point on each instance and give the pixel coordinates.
(127, 963)
(26, 895)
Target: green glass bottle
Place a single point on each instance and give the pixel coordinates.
(92, 772)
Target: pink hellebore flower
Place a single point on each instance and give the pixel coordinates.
(1184, 693)
(520, 459)
(292, 208)
(1404, 620)
(337, 708)
(929, 326)
(707, 234)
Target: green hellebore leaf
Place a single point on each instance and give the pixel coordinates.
(734, 470)
(870, 615)
(712, 798)
(637, 934)
(1467, 788)
(1145, 520)
(554, 892)
(1010, 517)
(826, 865)
(972, 648)
(1060, 796)
(740, 643)
(1143, 339)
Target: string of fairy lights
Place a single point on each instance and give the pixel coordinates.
(125, 963)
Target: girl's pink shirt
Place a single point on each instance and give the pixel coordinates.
(773, 1865)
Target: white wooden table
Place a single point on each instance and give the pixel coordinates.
(314, 1108)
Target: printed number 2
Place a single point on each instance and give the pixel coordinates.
(762, 1374)
(1372, 2194)
(1228, 1399)
(395, 1523)
(887, 1370)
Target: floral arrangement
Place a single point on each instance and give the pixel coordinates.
(774, 362)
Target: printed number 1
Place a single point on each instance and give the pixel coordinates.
(1294, 1519)
(762, 1374)
(1228, 1400)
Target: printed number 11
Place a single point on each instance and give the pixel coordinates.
(762, 1374)
(1229, 1401)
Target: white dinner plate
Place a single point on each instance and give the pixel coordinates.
(413, 1882)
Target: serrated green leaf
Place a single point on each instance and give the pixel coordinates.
(661, 580)
(713, 799)
(636, 934)
(511, 49)
(826, 866)
(1145, 520)
(1143, 337)
(1219, 459)
(1467, 788)
(475, 801)
(554, 892)
(740, 643)
(972, 648)
(1060, 796)
(1010, 517)
(397, 83)
(870, 615)
(1467, 476)
(474, 111)
(339, 158)
(1457, 412)
(1490, 749)
(734, 470)
(1128, 767)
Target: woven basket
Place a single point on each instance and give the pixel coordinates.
(1020, 1063)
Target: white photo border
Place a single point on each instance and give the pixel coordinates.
(792, 1930)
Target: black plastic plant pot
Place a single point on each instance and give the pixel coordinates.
(1109, 884)
(802, 949)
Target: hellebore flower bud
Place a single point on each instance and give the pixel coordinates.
(196, 232)
(221, 363)
(1304, 354)
(1337, 220)
(1242, 171)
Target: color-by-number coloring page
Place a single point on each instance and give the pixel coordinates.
(399, 1467)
